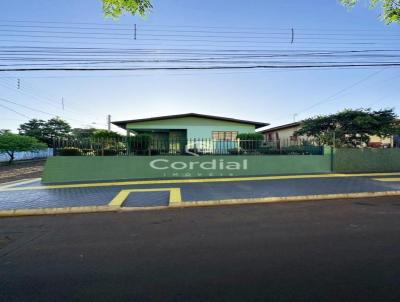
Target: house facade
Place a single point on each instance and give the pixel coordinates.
(286, 133)
(191, 130)
(282, 133)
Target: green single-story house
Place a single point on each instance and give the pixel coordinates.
(190, 130)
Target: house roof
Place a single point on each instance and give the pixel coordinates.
(281, 127)
(123, 124)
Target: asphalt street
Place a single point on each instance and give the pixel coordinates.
(342, 250)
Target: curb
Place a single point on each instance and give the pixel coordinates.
(57, 211)
(300, 198)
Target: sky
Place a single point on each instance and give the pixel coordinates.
(273, 96)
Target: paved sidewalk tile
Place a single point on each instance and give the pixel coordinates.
(34, 196)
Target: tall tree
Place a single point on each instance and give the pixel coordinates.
(390, 8)
(56, 127)
(115, 8)
(350, 128)
(33, 128)
(45, 131)
(11, 143)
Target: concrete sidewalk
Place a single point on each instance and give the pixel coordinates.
(29, 197)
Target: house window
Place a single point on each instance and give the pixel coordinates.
(224, 135)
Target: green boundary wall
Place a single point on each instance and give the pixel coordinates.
(66, 169)
(366, 160)
(69, 169)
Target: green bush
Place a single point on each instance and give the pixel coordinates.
(88, 152)
(140, 143)
(105, 134)
(269, 151)
(235, 151)
(293, 150)
(69, 151)
(250, 141)
(106, 152)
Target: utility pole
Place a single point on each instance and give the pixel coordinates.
(62, 103)
(292, 40)
(109, 122)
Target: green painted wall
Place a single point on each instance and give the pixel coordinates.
(61, 169)
(366, 160)
(196, 127)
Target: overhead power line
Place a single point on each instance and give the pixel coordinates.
(118, 25)
(47, 100)
(333, 96)
(38, 111)
(15, 111)
(205, 67)
(207, 34)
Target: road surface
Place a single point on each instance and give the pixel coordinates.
(341, 250)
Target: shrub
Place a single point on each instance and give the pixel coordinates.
(235, 151)
(106, 152)
(110, 152)
(105, 134)
(269, 151)
(250, 141)
(294, 150)
(88, 152)
(69, 151)
(140, 143)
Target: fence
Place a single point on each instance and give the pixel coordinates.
(149, 146)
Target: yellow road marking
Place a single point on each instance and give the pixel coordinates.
(388, 179)
(19, 182)
(174, 195)
(195, 180)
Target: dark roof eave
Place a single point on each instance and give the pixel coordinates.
(123, 124)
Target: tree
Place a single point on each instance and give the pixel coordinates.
(105, 134)
(55, 128)
(11, 143)
(45, 131)
(390, 8)
(4, 131)
(115, 8)
(33, 128)
(83, 133)
(350, 128)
